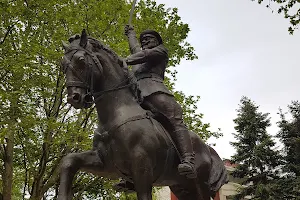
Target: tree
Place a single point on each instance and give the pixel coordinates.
(289, 8)
(255, 156)
(289, 135)
(37, 126)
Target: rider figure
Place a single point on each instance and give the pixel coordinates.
(149, 65)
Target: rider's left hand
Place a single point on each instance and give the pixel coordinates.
(122, 62)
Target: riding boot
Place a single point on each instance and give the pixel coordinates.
(184, 145)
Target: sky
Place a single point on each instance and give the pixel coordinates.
(244, 50)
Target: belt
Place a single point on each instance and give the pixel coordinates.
(148, 75)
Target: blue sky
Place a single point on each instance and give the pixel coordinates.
(243, 49)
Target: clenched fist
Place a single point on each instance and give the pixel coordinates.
(128, 29)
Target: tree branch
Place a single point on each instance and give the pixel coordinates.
(111, 22)
(85, 120)
(53, 176)
(37, 184)
(58, 95)
(25, 164)
(2, 150)
(108, 25)
(7, 33)
(66, 113)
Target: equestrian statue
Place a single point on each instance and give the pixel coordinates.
(141, 137)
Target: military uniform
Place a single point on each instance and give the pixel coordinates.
(149, 67)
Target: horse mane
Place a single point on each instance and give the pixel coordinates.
(98, 45)
(128, 74)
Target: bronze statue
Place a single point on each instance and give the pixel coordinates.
(149, 64)
(132, 145)
(149, 68)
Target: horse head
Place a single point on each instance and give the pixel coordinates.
(90, 69)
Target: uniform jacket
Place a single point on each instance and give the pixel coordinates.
(149, 66)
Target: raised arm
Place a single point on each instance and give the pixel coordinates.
(132, 40)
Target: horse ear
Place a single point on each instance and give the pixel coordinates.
(65, 45)
(83, 38)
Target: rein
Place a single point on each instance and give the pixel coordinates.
(83, 83)
(99, 95)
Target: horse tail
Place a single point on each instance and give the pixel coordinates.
(218, 174)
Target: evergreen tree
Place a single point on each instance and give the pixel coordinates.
(255, 155)
(289, 135)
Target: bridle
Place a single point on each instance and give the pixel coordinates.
(82, 83)
(88, 85)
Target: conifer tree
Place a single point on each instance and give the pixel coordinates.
(255, 156)
(289, 135)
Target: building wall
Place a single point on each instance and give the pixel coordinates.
(166, 194)
(163, 194)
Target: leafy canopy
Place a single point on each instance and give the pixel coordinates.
(36, 122)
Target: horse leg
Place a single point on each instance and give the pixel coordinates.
(192, 191)
(142, 175)
(202, 189)
(70, 164)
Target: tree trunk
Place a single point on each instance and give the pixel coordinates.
(8, 150)
(8, 166)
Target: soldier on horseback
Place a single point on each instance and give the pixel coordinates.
(149, 65)
(134, 145)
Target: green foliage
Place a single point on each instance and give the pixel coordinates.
(289, 8)
(287, 188)
(289, 135)
(33, 109)
(192, 118)
(255, 155)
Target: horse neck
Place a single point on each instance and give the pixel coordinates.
(118, 104)
(116, 107)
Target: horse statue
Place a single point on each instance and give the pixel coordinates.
(135, 145)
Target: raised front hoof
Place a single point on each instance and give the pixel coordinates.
(124, 186)
(187, 170)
